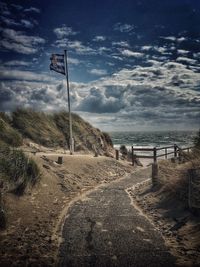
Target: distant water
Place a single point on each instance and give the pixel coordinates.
(152, 139)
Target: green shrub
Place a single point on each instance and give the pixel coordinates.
(17, 169)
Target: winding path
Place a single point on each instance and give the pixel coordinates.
(105, 230)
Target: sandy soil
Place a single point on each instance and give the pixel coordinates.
(179, 227)
(34, 220)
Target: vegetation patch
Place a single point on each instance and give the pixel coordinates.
(37, 126)
(17, 171)
(8, 134)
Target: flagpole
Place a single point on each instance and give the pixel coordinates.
(71, 141)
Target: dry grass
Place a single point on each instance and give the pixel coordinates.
(17, 171)
(174, 177)
(7, 133)
(52, 130)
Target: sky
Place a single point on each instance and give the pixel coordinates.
(133, 64)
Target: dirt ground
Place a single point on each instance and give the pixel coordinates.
(34, 220)
(179, 227)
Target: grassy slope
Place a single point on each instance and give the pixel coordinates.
(8, 134)
(52, 130)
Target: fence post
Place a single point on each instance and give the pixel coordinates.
(117, 154)
(60, 160)
(189, 189)
(165, 153)
(175, 150)
(154, 154)
(132, 155)
(154, 173)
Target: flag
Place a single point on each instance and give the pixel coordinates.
(57, 63)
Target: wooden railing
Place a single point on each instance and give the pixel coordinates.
(176, 152)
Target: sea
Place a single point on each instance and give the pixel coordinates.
(146, 139)
(152, 139)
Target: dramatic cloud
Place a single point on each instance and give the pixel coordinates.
(127, 74)
(97, 102)
(20, 42)
(15, 74)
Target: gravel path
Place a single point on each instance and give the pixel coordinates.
(105, 229)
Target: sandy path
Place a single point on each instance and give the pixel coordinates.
(105, 229)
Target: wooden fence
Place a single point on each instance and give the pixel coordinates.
(174, 150)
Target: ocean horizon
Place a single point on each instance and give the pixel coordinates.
(152, 138)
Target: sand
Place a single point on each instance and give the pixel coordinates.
(179, 227)
(34, 221)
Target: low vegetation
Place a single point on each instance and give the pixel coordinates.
(174, 177)
(7, 133)
(37, 126)
(52, 130)
(17, 171)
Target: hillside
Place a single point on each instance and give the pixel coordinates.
(36, 191)
(34, 219)
(52, 130)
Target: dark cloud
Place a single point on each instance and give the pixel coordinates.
(97, 102)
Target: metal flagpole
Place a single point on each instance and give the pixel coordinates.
(71, 141)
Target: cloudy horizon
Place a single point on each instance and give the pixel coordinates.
(133, 65)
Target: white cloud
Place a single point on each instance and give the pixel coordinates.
(174, 39)
(181, 39)
(9, 21)
(123, 27)
(196, 55)
(27, 23)
(18, 7)
(129, 53)
(64, 31)
(146, 47)
(170, 38)
(22, 23)
(182, 52)
(160, 49)
(32, 9)
(186, 60)
(61, 43)
(20, 42)
(99, 38)
(121, 44)
(157, 95)
(98, 72)
(16, 63)
(73, 61)
(79, 48)
(21, 75)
